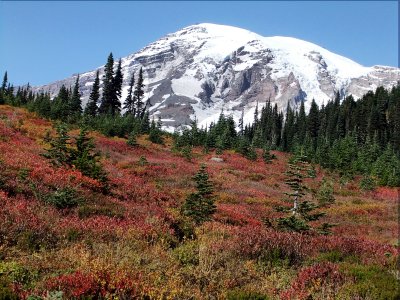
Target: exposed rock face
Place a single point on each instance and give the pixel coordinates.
(202, 69)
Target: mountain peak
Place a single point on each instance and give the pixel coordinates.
(203, 68)
(216, 29)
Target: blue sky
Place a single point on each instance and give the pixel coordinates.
(44, 41)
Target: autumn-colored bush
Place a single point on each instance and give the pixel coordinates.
(321, 280)
(74, 285)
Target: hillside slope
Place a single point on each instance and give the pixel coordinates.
(131, 241)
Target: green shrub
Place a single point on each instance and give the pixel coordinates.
(332, 256)
(273, 258)
(336, 256)
(12, 272)
(85, 158)
(367, 183)
(325, 193)
(368, 282)
(187, 253)
(187, 152)
(59, 151)
(293, 223)
(143, 161)
(132, 139)
(156, 134)
(200, 206)
(268, 156)
(63, 198)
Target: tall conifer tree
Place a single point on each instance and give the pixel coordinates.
(129, 104)
(117, 83)
(76, 102)
(138, 94)
(301, 123)
(199, 206)
(60, 108)
(108, 87)
(5, 81)
(91, 107)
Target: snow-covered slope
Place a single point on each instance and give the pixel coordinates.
(200, 70)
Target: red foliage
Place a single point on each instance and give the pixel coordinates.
(310, 279)
(98, 285)
(144, 200)
(236, 214)
(392, 194)
(74, 285)
(252, 241)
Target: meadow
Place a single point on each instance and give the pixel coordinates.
(130, 240)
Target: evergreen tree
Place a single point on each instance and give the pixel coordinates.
(302, 211)
(145, 123)
(132, 139)
(382, 98)
(277, 125)
(5, 82)
(332, 111)
(387, 168)
(187, 152)
(42, 105)
(246, 149)
(60, 108)
(258, 141)
(76, 103)
(117, 88)
(267, 156)
(366, 156)
(85, 158)
(3, 89)
(129, 104)
(241, 123)
(288, 130)
(155, 135)
(59, 152)
(301, 122)
(342, 154)
(106, 106)
(219, 145)
(325, 193)
(138, 95)
(394, 119)
(199, 206)
(91, 108)
(194, 138)
(313, 123)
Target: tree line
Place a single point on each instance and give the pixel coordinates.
(352, 137)
(102, 111)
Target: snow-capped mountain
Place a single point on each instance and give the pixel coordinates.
(200, 70)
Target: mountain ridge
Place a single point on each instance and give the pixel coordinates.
(202, 69)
